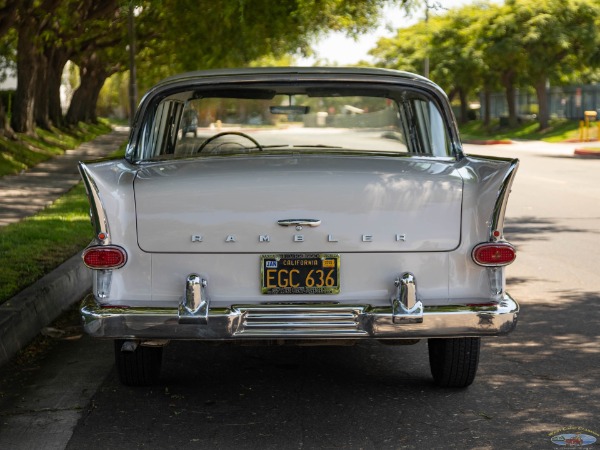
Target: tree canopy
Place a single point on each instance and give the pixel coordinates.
(481, 47)
(40, 36)
(486, 45)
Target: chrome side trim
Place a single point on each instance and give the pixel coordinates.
(497, 219)
(405, 306)
(195, 304)
(97, 213)
(102, 283)
(328, 321)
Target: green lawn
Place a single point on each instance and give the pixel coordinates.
(27, 151)
(34, 246)
(558, 131)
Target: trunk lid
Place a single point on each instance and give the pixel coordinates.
(233, 205)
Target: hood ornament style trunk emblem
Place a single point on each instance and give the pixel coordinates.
(299, 222)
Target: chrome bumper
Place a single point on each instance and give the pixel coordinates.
(321, 321)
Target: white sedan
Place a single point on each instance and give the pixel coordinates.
(309, 205)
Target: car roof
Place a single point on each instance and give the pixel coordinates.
(371, 71)
(253, 74)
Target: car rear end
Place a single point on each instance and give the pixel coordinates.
(312, 207)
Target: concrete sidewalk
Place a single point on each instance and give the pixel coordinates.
(22, 195)
(27, 193)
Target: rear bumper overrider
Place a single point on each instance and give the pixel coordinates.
(289, 321)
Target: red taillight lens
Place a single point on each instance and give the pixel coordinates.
(105, 257)
(494, 254)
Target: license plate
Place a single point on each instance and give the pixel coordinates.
(317, 273)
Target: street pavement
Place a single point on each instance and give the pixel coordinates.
(22, 195)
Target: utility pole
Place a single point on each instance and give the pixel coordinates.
(132, 73)
(429, 5)
(426, 62)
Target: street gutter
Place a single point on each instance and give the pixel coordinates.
(23, 316)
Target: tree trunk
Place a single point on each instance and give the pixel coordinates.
(42, 119)
(5, 129)
(509, 89)
(464, 106)
(487, 104)
(27, 66)
(543, 106)
(56, 64)
(83, 103)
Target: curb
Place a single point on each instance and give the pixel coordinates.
(23, 316)
(587, 153)
(487, 142)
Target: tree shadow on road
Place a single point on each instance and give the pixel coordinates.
(540, 378)
(521, 229)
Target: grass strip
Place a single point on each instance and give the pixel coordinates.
(558, 131)
(27, 151)
(33, 247)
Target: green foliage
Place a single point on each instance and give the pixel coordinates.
(407, 50)
(186, 35)
(516, 44)
(174, 36)
(456, 61)
(112, 101)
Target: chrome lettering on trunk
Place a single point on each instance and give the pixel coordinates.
(231, 238)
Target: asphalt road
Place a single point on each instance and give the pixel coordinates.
(533, 384)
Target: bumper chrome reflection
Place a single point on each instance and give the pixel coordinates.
(405, 306)
(300, 321)
(195, 305)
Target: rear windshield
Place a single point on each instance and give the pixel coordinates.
(280, 119)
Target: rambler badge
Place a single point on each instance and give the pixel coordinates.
(231, 238)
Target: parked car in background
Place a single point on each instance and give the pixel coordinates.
(314, 205)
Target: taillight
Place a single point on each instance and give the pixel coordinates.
(492, 254)
(104, 257)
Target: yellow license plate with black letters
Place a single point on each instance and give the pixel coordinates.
(317, 273)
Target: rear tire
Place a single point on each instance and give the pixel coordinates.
(140, 367)
(454, 361)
